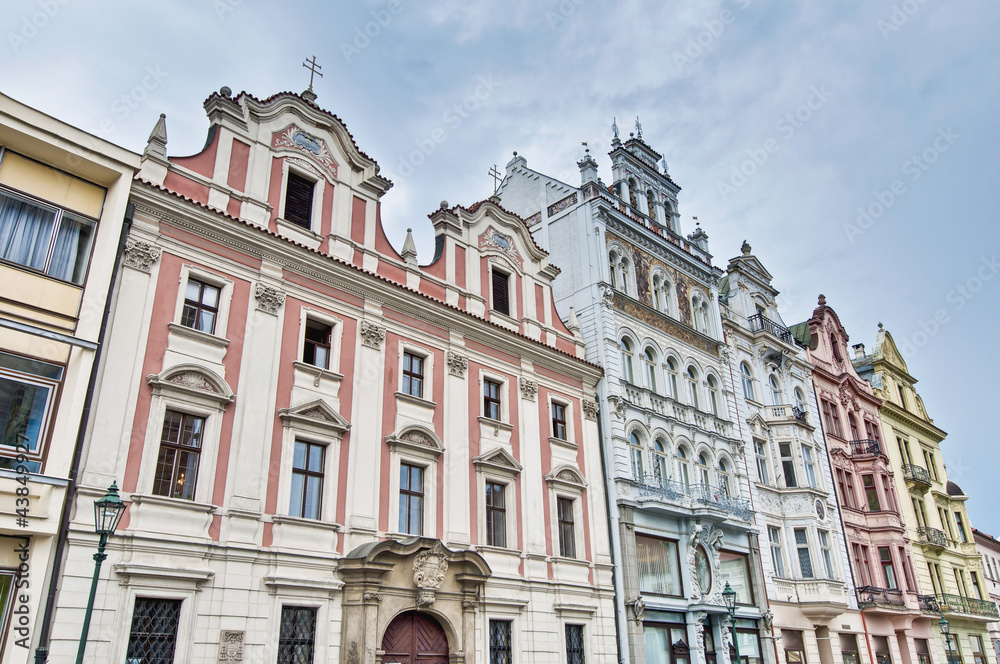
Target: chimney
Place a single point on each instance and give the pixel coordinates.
(859, 351)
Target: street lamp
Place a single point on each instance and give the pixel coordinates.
(729, 596)
(946, 630)
(108, 511)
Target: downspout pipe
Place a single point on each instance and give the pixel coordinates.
(613, 528)
(42, 651)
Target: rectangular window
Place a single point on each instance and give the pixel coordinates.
(316, 347)
(299, 200)
(501, 294)
(761, 453)
(831, 417)
(923, 651)
(777, 555)
(824, 545)
(44, 238)
(871, 493)
(865, 579)
(978, 654)
(201, 306)
(734, 569)
(805, 559)
(849, 648)
(975, 585)
(795, 652)
(307, 480)
(881, 647)
(961, 527)
(955, 651)
(932, 466)
(27, 396)
(496, 515)
(787, 464)
(297, 636)
(887, 490)
(153, 636)
(500, 642)
(846, 490)
(657, 560)
(413, 375)
(411, 499)
(558, 421)
(180, 451)
(491, 399)
(574, 644)
(888, 571)
(807, 461)
(907, 564)
(567, 527)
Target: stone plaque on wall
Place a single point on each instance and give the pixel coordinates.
(231, 646)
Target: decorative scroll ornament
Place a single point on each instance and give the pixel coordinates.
(429, 568)
(140, 255)
(638, 607)
(372, 335)
(590, 409)
(618, 404)
(296, 139)
(194, 380)
(529, 389)
(457, 364)
(269, 298)
(231, 646)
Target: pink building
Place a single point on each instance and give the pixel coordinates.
(332, 452)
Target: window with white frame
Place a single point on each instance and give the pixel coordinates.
(496, 514)
(308, 471)
(297, 635)
(660, 459)
(299, 194)
(683, 467)
(497, 473)
(179, 455)
(635, 454)
(626, 351)
(501, 650)
(802, 548)
(703, 469)
(809, 465)
(800, 400)
(658, 565)
(661, 297)
(747, 381)
(559, 429)
(492, 390)
(788, 465)
(153, 634)
(575, 645)
(824, 546)
(776, 397)
(28, 390)
(411, 498)
(413, 374)
(777, 555)
(692, 379)
(713, 395)
(566, 518)
(724, 481)
(672, 377)
(317, 343)
(500, 288)
(649, 358)
(760, 452)
(201, 306)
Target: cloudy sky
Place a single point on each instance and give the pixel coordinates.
(853, 144)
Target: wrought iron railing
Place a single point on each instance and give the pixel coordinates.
(967, 605)
(932, 536)
(865, 447)
(891, 598)
(916, 474)
(760, 323)
(698, 495)
(928, 603)
(799, 414)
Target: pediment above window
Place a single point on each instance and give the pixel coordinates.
(568, 477)
(193, 380)
(416, 439)
(317, 415)
(498, 460)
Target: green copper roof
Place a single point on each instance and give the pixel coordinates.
(801, 333)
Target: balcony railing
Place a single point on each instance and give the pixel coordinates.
(916, 474)
(945, 603)
(889, 598)
(865, 447)
(695, 495)
(760, 323)
(800, 414)
(932, 537)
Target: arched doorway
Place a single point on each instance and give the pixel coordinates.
(414, 638)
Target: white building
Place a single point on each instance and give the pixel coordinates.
(989, 547)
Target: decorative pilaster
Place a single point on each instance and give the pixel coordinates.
(269, 298)
(590, 409)
(372, 335)
(140, 255)
(529, 389)
(457, 364)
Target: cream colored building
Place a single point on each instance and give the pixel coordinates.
(946, 560)
(63, 198)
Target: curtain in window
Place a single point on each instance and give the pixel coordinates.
(69, 260)
(25, 230)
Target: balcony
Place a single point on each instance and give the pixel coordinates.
(956, 604)
(916, 474)
(932, 537)
(759, 323)
(865, 447)
(785, 413)
(884, 598)
(694, 496)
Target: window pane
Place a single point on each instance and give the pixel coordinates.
(72, 251)
(298, 484)
(297, 635)
(23, 412)
(25, 231)
(657, 563)
(153, 635)
(733, 569)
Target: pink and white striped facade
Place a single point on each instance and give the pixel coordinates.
(231, 552)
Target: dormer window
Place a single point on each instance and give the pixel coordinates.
(299, 200)
(501, 292)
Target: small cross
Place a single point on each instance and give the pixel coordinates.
(313, 70)
(497, 177)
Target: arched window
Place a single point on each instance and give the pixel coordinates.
(613, 269)
(650, 359)
(623, 275)
(836, 348)
(713, 395)
(696, 313)
(855, 435)
(627, 373)
(668, 215)
(635, 452)
(692, 377)
(683, 470)
(747, 381)
(660, 458)
(800, 400)
(724, 477)
(703, 473)
(631, 194)
(651, 204)
(776, 397)
(672, 376)
(659, 294)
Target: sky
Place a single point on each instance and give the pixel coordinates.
(852, 144)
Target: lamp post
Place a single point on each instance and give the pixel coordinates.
(946, 630)
(108, 511)
(729, 596)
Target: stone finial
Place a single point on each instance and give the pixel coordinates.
(822, 300)
(444, 205)
(745, 248)
(226, 91)
(638, 128)
(156, 144)
(880, 325)
(573, 324)
(409, 252)
(614, 127)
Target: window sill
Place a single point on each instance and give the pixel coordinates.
(198, 335)
(576, 562)
(164, 501)
(304, 522)
(298, 233)
(420, 401)
(488, 548)
(496, 424)
(318, 372)
(568, 444)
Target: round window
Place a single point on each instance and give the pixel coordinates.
(704, 570)
(820, 509)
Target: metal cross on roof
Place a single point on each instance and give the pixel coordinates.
(313, 70)
(497, 177)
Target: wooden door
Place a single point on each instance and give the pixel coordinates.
(414, 638)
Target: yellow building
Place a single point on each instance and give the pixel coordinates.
(63, 199)
(946, 560)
